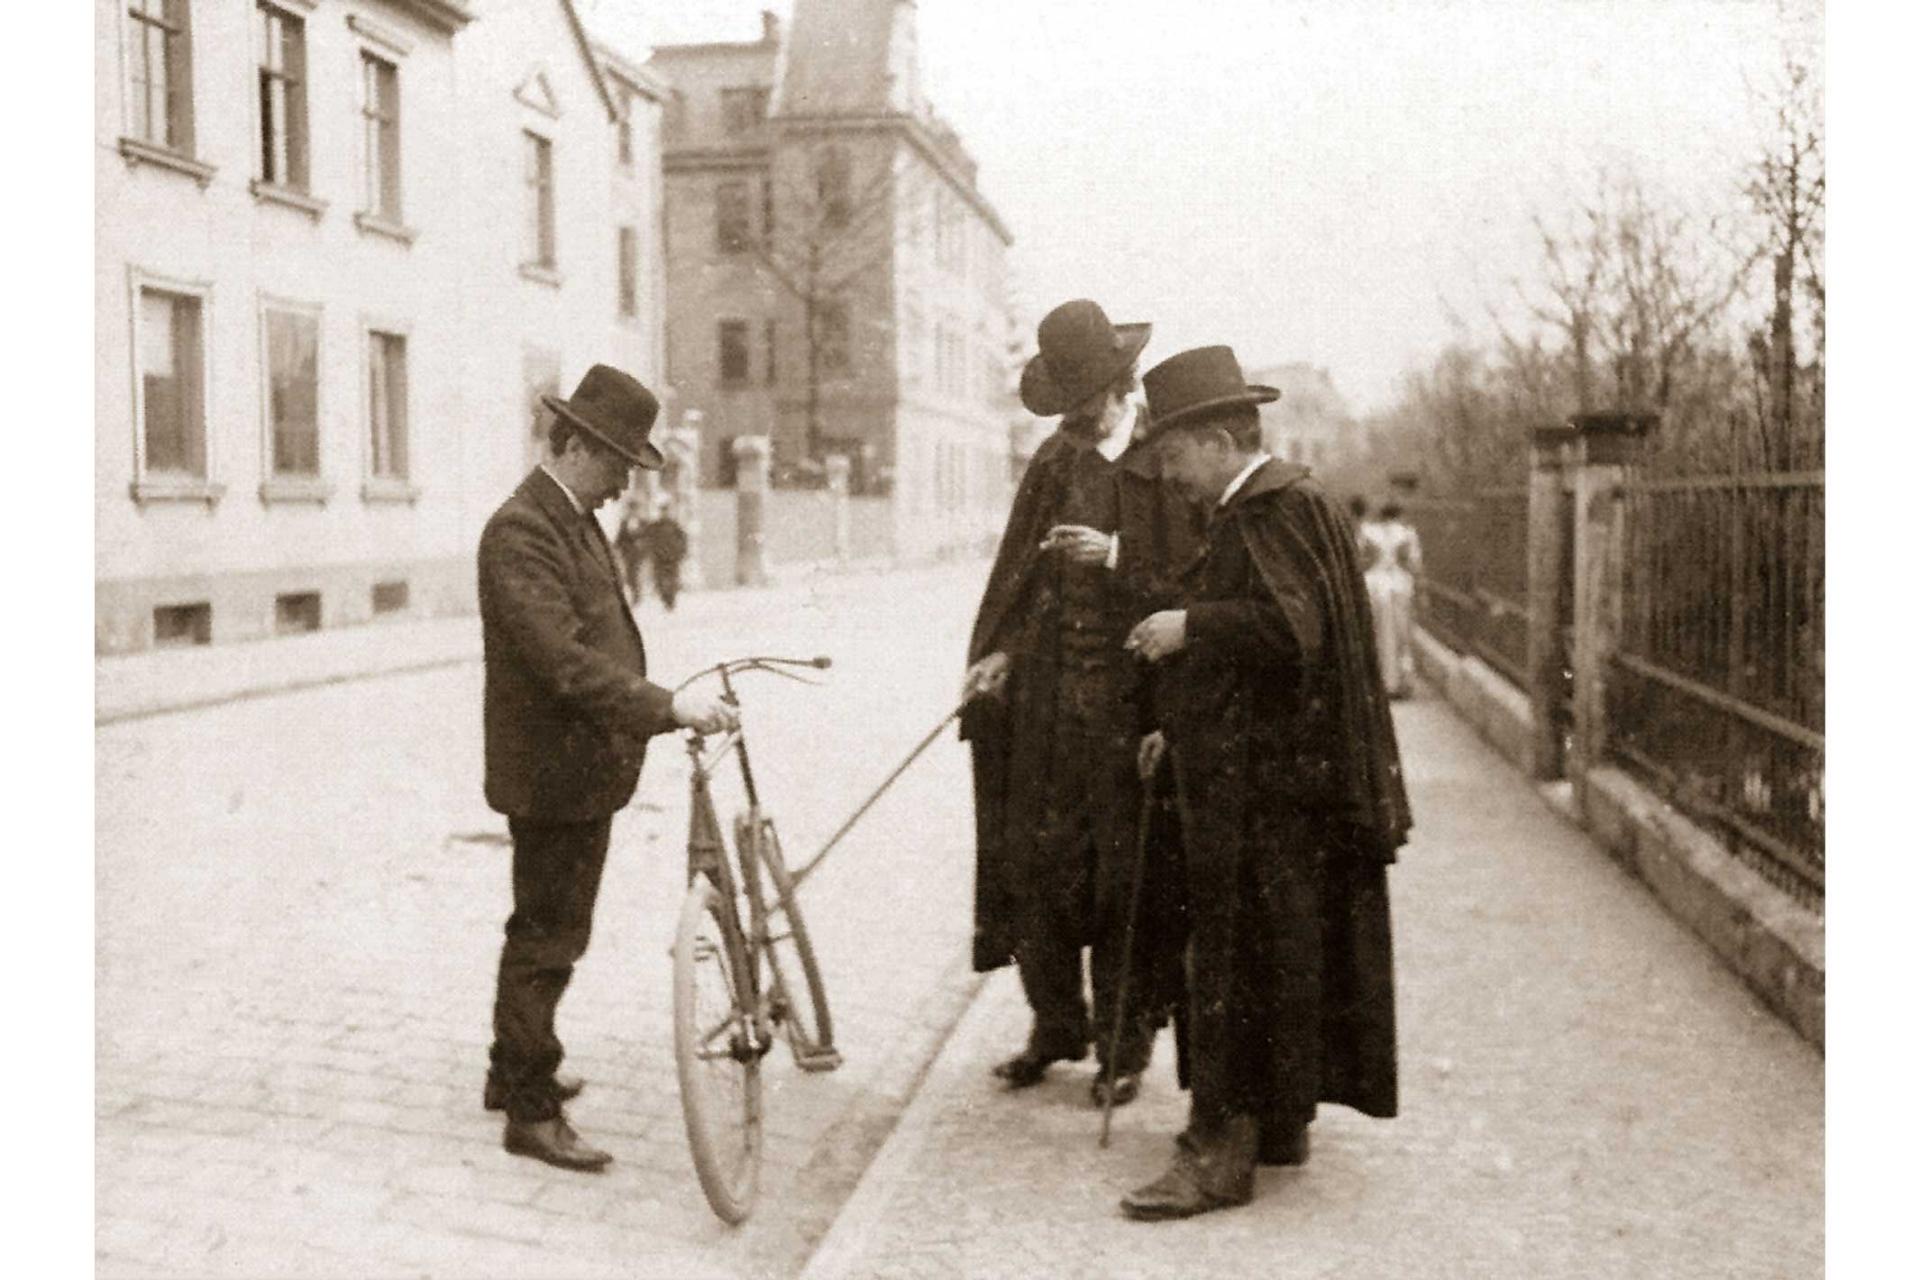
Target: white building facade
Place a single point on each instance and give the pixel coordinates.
(337, 241)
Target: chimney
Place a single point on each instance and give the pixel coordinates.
(769, 27)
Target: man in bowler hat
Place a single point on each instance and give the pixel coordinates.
(568, 712)
(1275, 721)
(1091, 543)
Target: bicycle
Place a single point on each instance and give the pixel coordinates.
(739, 981)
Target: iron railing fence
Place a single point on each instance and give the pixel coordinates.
(1716, 693)
(1473, 587)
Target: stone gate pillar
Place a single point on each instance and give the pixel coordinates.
(680, 487)
(1604, 446)
(752, 458)
(838, 471)
(1549, 599)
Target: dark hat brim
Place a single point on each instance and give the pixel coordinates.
(1198, 412)
(650, 458)
(1046, 398)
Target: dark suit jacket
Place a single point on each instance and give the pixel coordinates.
(568, 706)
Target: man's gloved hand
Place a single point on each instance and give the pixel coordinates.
(987, 676)
(1152, 748)
(704, 712)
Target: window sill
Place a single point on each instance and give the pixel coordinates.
(296, 489)
(389, 489)
(628, 320)
(138, 153)
(375, 224)
(177, 489)
(539, 274)
(274, 193)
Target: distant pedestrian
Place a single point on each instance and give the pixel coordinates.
(1390, 553)
(568, 711)
(666, 548)
(1291, 798)
(1356, 514)
(630, 540)
(1094, 540)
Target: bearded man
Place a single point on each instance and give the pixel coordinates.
(1093, 542)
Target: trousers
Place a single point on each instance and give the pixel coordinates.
(556, 879)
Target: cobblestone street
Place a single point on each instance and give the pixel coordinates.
(299, 910)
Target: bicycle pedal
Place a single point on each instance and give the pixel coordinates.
(820, 1060)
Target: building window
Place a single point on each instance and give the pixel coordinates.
(833, 186)
(387, 405)
(833, 331)
(766, 209)
(623, 132)
(539, 179)
(733, 353)
(390, 597)
(380, 110)
(743, 110)
(183, 624)
(732, 226)
(293, 392)
(160, 79)
(296, 612)
(172, 391)
(773, 367)
(283, 98)
(629, 251)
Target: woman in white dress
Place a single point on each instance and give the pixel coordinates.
(1390, 555)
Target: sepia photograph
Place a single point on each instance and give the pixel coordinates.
(893, 639)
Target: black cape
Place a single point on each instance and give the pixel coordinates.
(1019, 614)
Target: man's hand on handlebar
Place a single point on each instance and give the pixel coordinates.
(705, 712)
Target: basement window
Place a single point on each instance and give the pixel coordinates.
(183, 624)
(390, 597)
(297, 612)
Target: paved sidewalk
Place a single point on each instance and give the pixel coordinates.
(1585, 1092)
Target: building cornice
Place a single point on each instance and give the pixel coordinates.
(695, 159)
(442, 15)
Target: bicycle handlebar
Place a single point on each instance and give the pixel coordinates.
(764, 663)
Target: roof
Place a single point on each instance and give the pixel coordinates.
(840, 57)
(592, 60)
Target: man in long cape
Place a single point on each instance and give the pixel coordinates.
(1276, 723)
(1054, 714)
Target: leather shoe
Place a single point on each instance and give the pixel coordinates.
(1217, 1174)
(1126, 1087)
(565, 1089)
(555, 1142)
(1029, 1066)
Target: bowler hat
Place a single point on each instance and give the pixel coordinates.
(1188, 388)
(615, 410)
(1081, 351)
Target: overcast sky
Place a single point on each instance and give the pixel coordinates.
(1312, 181)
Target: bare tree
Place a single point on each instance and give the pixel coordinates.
(828, 233)
(1788, 190)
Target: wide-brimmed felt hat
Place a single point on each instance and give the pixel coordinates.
(1193, 386)
(616, 410)
(1081, 351)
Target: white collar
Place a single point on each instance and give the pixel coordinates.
(578, 507)
(1233, 486)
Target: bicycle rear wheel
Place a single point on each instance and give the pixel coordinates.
(808, 1021)
(714, 1050)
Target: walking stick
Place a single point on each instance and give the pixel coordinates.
(1126, 951)
(807, 870)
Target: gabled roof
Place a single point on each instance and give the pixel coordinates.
(607, 99)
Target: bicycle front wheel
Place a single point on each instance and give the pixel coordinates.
(715, 1049)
